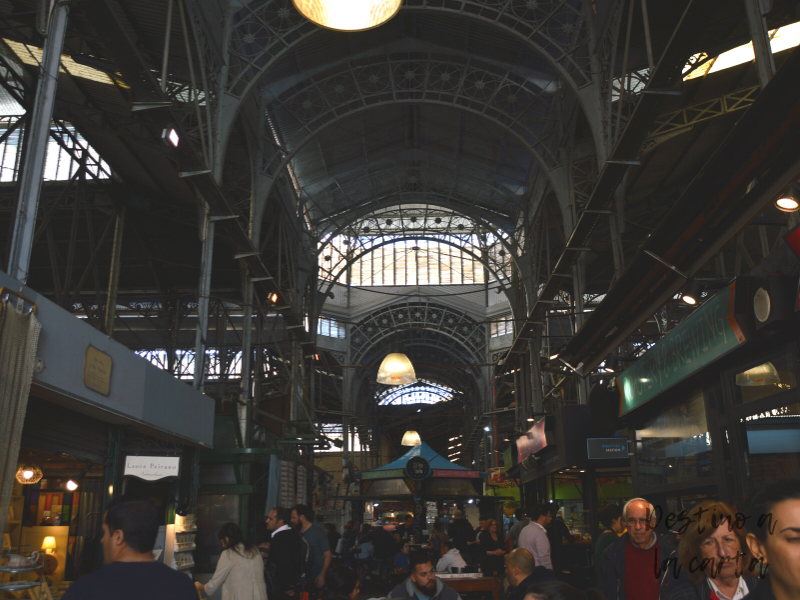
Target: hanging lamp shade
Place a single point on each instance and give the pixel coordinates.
(396, 369)
(411, 438)
(348, 15)
(29, 473)
(765, 374)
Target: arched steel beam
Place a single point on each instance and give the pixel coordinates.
(261, 36)
(386, 320)
(554, 175)
(347, 262)
(503, 237)
(474, 188)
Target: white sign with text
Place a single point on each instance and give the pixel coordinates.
(152, 468)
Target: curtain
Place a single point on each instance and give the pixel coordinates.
(19, 336)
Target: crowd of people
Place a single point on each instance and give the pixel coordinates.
(711, 552)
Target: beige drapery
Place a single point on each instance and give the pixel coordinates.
(19, 336)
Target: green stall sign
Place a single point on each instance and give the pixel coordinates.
(706, 335)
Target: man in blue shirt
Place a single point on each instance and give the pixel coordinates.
(303, 520)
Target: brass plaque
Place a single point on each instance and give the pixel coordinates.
(97, 371)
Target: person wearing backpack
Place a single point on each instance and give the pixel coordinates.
(303, 520)
(284, 566)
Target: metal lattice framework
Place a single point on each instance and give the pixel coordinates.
(508, 101)
(262, 33)
(431, 325)
(418, 178)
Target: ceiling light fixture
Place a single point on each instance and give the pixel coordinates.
(348, 15)
(693, 293)
(396, 368)
(789, 200)
(411, 438)
(610, 365)
(28, 474)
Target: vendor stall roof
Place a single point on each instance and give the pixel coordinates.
(435, 460)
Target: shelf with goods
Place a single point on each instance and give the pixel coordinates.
(180, 543)
(13, 530)
(17, 578)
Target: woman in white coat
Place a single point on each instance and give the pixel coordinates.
(240, 570)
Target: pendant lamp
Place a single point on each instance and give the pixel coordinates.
(28, 474)
(411, 438)
(348, 15)
(396, 369)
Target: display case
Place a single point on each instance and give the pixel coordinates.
(180, 544)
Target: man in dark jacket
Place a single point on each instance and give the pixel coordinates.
(284, 561)
(522, 571)
(460, 532)
(626, 570)
(422, 583)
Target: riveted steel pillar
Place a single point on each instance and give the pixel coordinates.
(35, 152)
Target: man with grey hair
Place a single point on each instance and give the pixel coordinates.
(626, 568)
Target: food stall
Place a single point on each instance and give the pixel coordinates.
(419, 477)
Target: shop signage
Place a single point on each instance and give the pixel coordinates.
(598, 448)
(152, 468)
(387, 474)
(456, 474)
(97, 371)
(708, 333)
(533, 441)
(417, 468)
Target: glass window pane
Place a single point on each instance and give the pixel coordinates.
(767, 379)
(771, 441)
(675, 446)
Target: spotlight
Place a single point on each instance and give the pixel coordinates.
(530, 419)
(554, 356)
(470, 501)
(487, 429)
(273, 298)
(693, 293)
(72, 485)
(171, 136)
(789, 201)
(610, 365)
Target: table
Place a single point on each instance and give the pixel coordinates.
(474, 584)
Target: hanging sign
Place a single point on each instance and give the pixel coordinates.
(597, 448)
(385, 474)
(708, 333)
(456, 474)
(417, 468)
(533, 441)
(152, 468)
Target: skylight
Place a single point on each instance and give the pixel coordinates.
(419, 392)
(781, 39)
(31, 55)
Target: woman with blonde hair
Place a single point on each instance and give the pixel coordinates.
(712, 558)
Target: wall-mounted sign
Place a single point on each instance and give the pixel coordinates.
(97, 371)
(417, 468)
(533, 441)
(152, 468)
(708, 333)
(598, 448)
